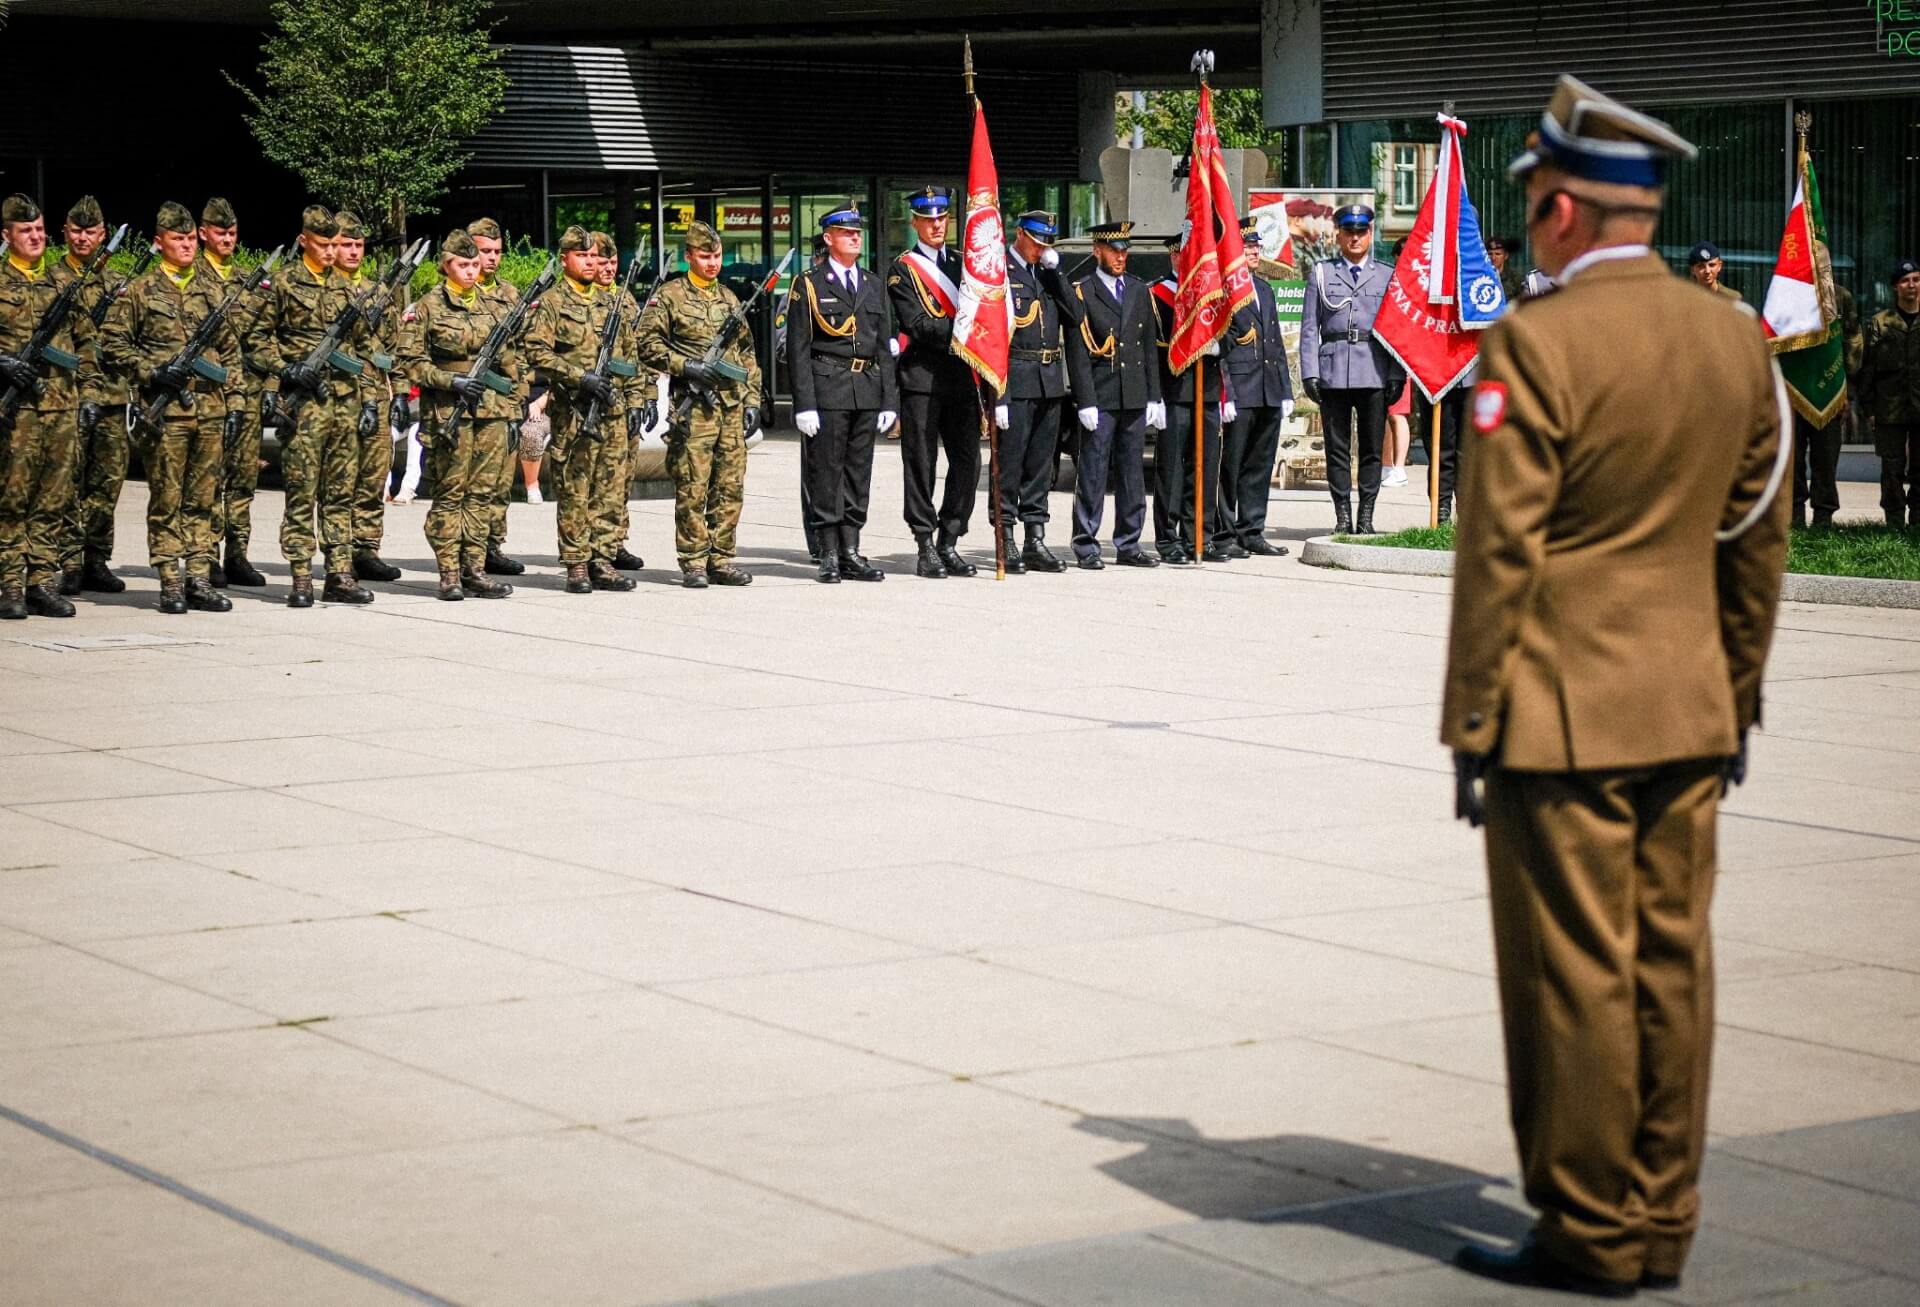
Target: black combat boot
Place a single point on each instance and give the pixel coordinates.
(927, 563)
(853, 564)
(829, 573)
(498, 564)
(604, 577)
(474, 582)
(1364, 526)
(341, 588)
(43, 602)
(216, 574)
(173, 596)
(578, 582)
(369, 566)
(626, 561)
(1016, 565)
(13, 604)
(202, 596)
(1342, 516)
(301, 595)
(725, 573)
(1036, 555)
(70, 579)
(946, 546)
(450, 585)
(694, 578)
(1446, 510)
(239, 570)
(99, 578)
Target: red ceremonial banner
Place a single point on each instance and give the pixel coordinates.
(1419, 321)
(1211, 267)
(983, 324)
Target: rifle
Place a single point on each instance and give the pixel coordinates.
(399, 273)
(40, 353)
(722, 342)
(140, 265)
(604, 361)
(187, 361)
(327, 354)
(481, 372)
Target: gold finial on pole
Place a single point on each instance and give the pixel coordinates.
(966, 62)
(1802, 123)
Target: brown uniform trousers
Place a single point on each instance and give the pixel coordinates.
(1607, 653)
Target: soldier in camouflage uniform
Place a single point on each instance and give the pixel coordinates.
(320, 454)
(615, 518)
(142, 338)
(100, 463)
(373, 454)
(707, 453)
(562, 342)
(36, 492)
(442, 333)
(491, 242)
(240, 443)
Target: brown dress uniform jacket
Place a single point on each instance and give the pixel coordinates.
(1597, 624)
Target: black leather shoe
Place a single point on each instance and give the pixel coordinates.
(240, 571)
(1037, 556)
(1342, 517)
(301, 595)
(626, 561)
(1218, 553)
(1527, 1265)
(694, 580)
(217, 575)
(498, 564)
(855, 567)
(42, 602)
(173, 598)
(1175, 556)
(926, 563)
(1088, 562)
(99, 578)
(945, 547)
(202, 597)
(1265, 548)
(70, 580)
(727, 574)
(829, 573)
(369, 566)
(342, 589)
(1136, 558)
(1364, 524)
(605, 577)
(1235, 549)
(1010, 552)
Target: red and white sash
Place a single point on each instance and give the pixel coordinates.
(938, 286)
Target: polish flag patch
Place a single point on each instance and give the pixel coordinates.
(1489, 406)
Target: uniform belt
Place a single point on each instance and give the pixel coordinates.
(1039, 355)
(1355, 335)
(853, 364)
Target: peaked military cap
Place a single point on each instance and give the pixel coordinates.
(351, 228)
(18, 208)
(486, 229)
(1039, 224)
(700, 236)
(1118, 235)
(86, 213)
(218, 213)
(575, 238)
(459, 245)
(1249, 225)
(847, 217)
(175, 218)
(1353, 215)
(1609, 154)
(318, 220)
(931, 202)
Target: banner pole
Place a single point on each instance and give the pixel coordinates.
(1199, 457)
(1433, 471)
(991, 430)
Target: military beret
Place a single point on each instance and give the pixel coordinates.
(351, 228)
(603, 244)
(174, 218)
(86, 213)
(1905, 268)
(1704, 252)
(700, 236)
(18, 208)
(486, 229)
(575, 238)
(318, 220)
(218, 213)
(459, 245)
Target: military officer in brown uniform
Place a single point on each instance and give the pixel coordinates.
(1890, 391)
(1618, 570)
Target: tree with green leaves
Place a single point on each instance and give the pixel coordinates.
(370, 101)
(1167, 120)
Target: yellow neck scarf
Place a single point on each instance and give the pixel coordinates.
(699, 282)
(320, 274)
(29, 270)
(465, 298)
(584, 289)
(224, 267)
(180, 277)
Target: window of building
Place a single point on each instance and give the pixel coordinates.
(1406, 177)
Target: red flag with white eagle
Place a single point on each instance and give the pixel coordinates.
(983, 322)
(1211, 265)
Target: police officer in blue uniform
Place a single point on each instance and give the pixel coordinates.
(1343, 368)
(1116, 394)
(1256, 363)
(1029, 417)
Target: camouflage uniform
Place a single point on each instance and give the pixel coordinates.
(616, 509)
(443, 332)
(37, 494)
(561, 342)
(320, 455)
(373, 455)
(707, 453)
(503, 297)
(100, 463)
(145, 328)
(240, 461)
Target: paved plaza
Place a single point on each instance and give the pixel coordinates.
(1101, 938)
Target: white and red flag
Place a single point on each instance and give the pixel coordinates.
(983, 321)
(1444, 287)
(1211, 266)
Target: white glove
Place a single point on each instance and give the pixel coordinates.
(1002, 416)
(893, 346)
(808, 420)
(1229, 411)
(1157, 414)
(1286, 410)
(887, 418)
(1049, 257)
(1089, 419)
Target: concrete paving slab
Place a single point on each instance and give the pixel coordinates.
(154, 896)
(52, 996)
(1129, 1273)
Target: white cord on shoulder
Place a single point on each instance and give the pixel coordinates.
(1780, 462)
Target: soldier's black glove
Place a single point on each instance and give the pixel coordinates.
(513, 433)
(750, 420)
(1733, 770)
(18, 372)
(595, 386)
(696, 372)
(269, 409)
(230, 431)
(300, 377)
(636, 423)
(1469, 787)
(468, 389)
(649, 412)
(90, 415)
(1312, 386)
(398, 414)
(369, 420)
(171, 375)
